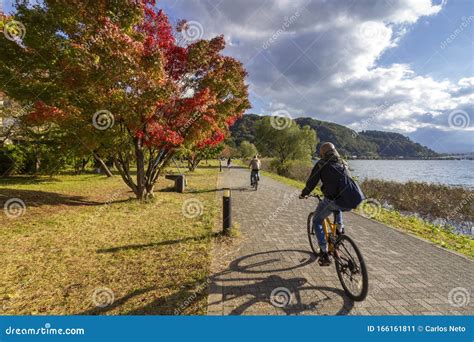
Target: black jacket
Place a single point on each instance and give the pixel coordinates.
(329, 172)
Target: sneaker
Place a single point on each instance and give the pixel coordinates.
(324, 259)
(340, 232)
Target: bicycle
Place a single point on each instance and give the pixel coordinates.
(349, 266)
(254, 180)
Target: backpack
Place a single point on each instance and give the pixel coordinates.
(350, 193)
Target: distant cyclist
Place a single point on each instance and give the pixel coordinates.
(333, 173)
(255, 165)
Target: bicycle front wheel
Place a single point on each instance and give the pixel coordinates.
(351, 269)
(313, 240)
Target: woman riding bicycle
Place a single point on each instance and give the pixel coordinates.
(329, 169)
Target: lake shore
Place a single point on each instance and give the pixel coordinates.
(445, 206)
(438, 204)
(440, 235)
(408, 158)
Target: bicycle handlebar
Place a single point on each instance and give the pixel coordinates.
(314, 195)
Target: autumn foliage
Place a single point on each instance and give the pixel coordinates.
(123, 57)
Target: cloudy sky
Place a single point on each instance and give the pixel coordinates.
(395, 65)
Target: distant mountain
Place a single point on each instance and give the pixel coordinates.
(391, 144)
(371, 144)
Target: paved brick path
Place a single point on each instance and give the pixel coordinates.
(406, 275)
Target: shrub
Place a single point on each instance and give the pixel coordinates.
(294, 169)
(29, 158)
(300, 170)
(12, 160)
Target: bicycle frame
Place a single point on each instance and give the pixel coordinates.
(348, 262)
(330, 232)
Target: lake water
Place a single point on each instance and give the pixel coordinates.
(448, 172)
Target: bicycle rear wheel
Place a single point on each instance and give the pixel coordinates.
(351, 269)
(313, 240)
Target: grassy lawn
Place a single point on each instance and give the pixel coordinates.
(83, 239)
(416, 226)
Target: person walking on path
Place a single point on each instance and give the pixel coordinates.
(229, 162)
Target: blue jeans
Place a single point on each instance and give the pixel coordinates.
(254, 173)
(323, 210)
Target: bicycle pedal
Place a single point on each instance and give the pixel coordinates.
(325, 264)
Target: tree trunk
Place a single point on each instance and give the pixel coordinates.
(146, 174)
(37, 164)
(84, 163)
(102, 165)
(123, 168)
(77, 167)
(193, 163)
(140, 159)
(149, 191)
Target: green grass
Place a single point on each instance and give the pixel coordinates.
(82, 233)
(285, 180)
(439, 235)
(416, 226)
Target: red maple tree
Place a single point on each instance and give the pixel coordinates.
(122, 60)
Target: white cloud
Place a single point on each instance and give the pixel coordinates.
(326, 62)
(409, 11)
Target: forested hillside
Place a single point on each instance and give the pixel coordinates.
(371, 144)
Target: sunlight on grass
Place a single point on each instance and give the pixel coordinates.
(86, 232)
(434, 233)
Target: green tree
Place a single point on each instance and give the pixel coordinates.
(247, 150)
(285, 145)
(309, 139)
(196, 155)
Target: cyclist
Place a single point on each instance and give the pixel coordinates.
(255, 165)
(329, 170)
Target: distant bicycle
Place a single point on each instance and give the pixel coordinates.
(254, 180)
(255, 165)
(350, 264)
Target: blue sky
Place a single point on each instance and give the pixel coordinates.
(394, 65)
(6, 6)
(420, 47)
(384, 65)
